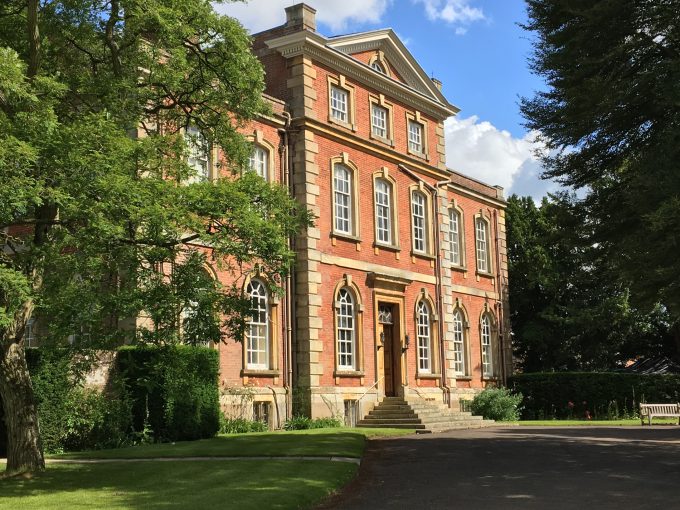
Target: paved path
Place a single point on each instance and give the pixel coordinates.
(520, 468)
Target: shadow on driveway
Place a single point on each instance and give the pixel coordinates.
(520, 468)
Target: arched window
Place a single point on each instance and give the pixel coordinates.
(482, 238)
(345, 332)
(424, 335)
(257, 334)
(487, 346)
(199, 154)
(459, 365)
(419, 221)
(377, 66)
(455, 238)
(259, 162)
(342, 198)
(383, 211)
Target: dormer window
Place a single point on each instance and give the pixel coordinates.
(377, 66)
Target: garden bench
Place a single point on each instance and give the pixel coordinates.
(649, 411)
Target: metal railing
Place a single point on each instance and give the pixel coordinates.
(356, 404)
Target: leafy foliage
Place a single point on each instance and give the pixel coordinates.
(305, 423)
(173, 389)
(240, 426)
(605, 395)
(497, 404)
(610, 118)
(569, 311)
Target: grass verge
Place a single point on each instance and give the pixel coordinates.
(344, 442)
(596, 423)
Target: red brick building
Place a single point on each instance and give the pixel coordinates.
(400, 288)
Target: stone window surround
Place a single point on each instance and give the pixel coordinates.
(380, 101)
(494, 344)
(257, 138)
(417, 117)
(383, 173)
(434, 372)
(467, 354)
(380, 58)
(485, 218)
(273, 370)
(455, 206)
(347, 283)
(429, 237)
(355, 234)
(341, 83)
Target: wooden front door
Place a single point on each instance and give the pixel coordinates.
(391, 349)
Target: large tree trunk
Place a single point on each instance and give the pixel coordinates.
(24, 449)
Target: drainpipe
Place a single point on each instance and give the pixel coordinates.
(288, 316)
(499, 279)
(438, 275)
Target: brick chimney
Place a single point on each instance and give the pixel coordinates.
(301, 16)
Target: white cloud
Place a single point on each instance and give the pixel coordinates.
(459, 13)
(494, 156)
(258, 15)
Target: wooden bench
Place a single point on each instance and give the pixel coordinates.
(649, 411)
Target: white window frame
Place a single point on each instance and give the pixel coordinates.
(424, 337)
(343, 191)
(340, 104)
(199, 155)
(258, 336)
(384, 227)
(419, 222)
(259, 161)
(416, 142)
(346, 330)
(459, 349)
(29, 335)
(482, 245)
(379, 121)
(486, 339)
(455, 237)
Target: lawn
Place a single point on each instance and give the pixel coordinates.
(596, 423)
(239, 484)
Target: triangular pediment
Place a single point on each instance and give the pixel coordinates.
(402, 65)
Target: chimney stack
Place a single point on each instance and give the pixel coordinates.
(301, 16)
(437, 83)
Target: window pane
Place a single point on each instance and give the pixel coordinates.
(482, 246)
(487, 356)
(257, 334)
(198, 158)
(418, 213)
(259, 162)
(458, 344)
(454, 237)
(378, 67)
(339, 104)
(343, 199)
(424, 337)
(379, 121)
(345, 330)
(415, 137)
(383, 213)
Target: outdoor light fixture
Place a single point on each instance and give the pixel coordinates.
(407, 341)
(382, 339)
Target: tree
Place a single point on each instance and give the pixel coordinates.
(101, 216)
(568, 311)
(611, 118)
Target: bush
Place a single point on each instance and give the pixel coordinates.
(304, 423)
(604, 395)
(241, 426)
(174, 390)
(498, 404)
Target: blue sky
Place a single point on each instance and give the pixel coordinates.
(475, 48)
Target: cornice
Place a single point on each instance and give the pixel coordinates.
(501, 204)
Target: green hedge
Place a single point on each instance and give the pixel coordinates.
(173, 389)
(602, 395)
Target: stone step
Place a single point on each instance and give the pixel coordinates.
(412, 426)
(391, 420)
(388, 415)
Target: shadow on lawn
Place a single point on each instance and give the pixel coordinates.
(182, 484)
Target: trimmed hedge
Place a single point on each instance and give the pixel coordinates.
(602, 395)
(173, 389)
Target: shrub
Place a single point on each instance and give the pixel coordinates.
(173, 389)
(602, 394)
(304, 423)
(497, 404)
(240, 426)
